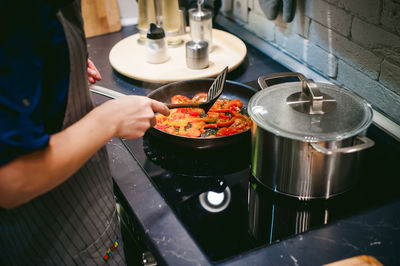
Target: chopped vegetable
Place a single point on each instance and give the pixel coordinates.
(223, 119)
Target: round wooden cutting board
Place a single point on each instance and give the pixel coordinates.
(128, 57)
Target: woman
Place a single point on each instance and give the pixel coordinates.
(56, 196)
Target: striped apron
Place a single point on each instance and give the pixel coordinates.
(75, 223)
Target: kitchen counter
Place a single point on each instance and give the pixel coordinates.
(374, 232)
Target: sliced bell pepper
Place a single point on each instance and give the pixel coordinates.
(225, 123)
(236, 102)
(225, 131)
(221, 115)
(193, 113)
(219, 110)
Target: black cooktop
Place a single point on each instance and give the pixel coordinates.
(228, 212)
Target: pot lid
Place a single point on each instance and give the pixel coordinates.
(288, 110)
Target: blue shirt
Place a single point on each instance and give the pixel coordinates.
(34, 76)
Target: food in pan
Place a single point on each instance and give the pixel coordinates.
(225, 117)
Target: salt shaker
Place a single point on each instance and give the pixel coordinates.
(200, 22)
(156, 45)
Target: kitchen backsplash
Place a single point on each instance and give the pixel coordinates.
(354, 43)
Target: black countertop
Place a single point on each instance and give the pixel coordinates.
(374, 232)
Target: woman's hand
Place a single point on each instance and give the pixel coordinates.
(93, 73)
(132, 115)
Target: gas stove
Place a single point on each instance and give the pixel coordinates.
(228, 212)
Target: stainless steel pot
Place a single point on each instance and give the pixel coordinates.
(307, 138)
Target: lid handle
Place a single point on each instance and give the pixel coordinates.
(310, 100)
(310, 89)
(262, 81)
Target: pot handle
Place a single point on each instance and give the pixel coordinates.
(262, 80)
(366, 143)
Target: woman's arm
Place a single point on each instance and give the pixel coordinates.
(33, 174)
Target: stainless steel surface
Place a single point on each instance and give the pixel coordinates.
(106, 92)
(295, 168)
(344, 114)
(311, 167)
(197, 54)
(200, 22)
(310, 100)
(196, 49)
(365, 144)
(197, 14)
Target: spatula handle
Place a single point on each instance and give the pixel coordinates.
(183, 105)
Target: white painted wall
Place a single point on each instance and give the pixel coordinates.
(128, 11)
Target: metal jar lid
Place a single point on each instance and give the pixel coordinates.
(308, 111)
(196, 14)
(197, 54)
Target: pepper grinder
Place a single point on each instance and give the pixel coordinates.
(156, 45)
(200, 21)
(197, 54)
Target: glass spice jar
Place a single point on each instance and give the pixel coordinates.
(200, 22)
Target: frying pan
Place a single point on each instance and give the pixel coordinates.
(189, 88)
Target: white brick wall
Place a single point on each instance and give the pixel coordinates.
(390, 76)
(368, 10)
(373, 37)
(377, 94)
(261, 26)
(347, 50)
(329, 15)
(354, 42)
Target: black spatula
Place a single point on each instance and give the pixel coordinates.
(213, 94)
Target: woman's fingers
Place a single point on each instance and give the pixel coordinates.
(159, 107)
(92, 70)
(91, 80)
(153, 122)
(132, 115)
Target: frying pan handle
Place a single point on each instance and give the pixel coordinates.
(183, 105)
(366, 143)
(114, 94)
(106, 92)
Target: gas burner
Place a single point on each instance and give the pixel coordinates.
(182, 188)
(215, 202)
(196, 162)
